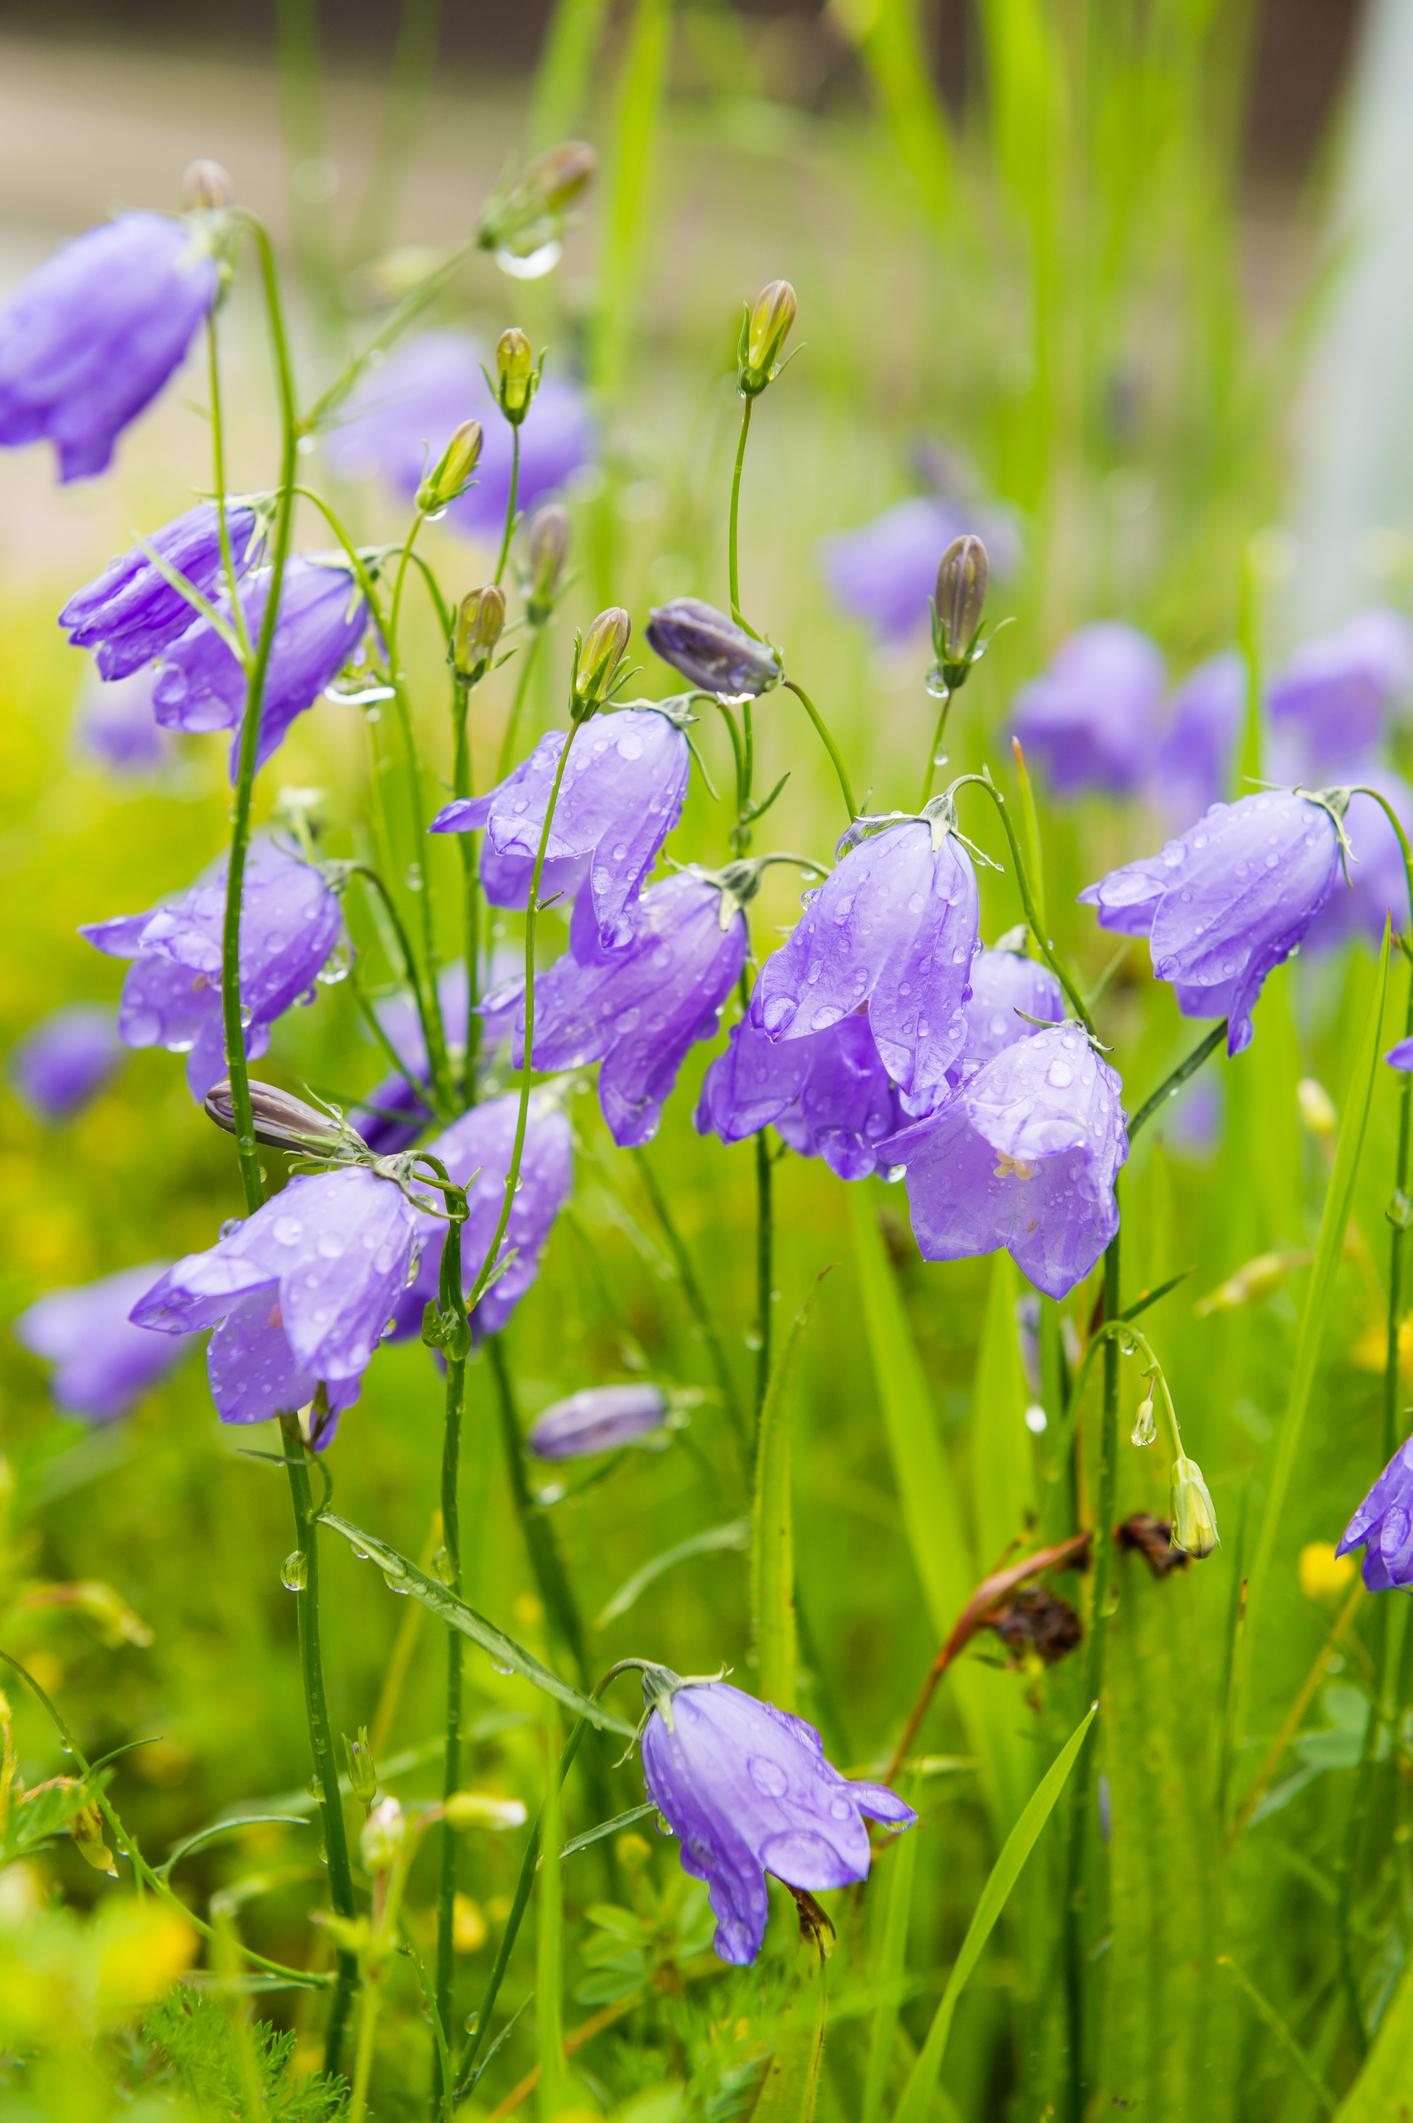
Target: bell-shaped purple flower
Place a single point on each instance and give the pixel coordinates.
(1228, 900)
(131, 612)
(476, 1150)
(90, 339)
(597, 1419)
(747, 1791)
(827, 1096)
(640, 1009)
(66, 1060)
(290, 923)
(885, 572)
(711, 651)
(398, 422)
(1335, 694)
(1192, 768)
(322, 620)
(103, 1364)
(116, 726)
(1383, 1527)
(399, 1109)
(1006, 989)
(893, 926)
(622, 793)
(300, 1294)
(1024, 1156)
(1092, 716)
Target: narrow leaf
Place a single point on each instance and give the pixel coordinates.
(735, 1534)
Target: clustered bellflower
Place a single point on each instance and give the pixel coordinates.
(103, 1364)
(66, 1060)
(747, 1791)
(132, 612)
(1383, 1526)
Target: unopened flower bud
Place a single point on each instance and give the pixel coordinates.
(962, 577)
(546, 546)
(452, 473)
(1194, 1520)
(596, 661)
(763, 334)
(383, 1836)
(206, 186)
(284, 1122)
(86, 1827)
(362, 1769)
(1145, 1426)
(516, 375)
(480, 621)
(479, 1809)
(710, 650)
(527, 212)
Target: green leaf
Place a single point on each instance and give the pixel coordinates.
(630, 1819)
(1380, 2093)
(221, 1828)
(890, 1974)
(735, 1534)
(1003, 1483)
(773, 1531)
(788, 2090)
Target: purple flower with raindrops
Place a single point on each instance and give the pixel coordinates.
(1007, 989)
(827, 1096)
(1383, 1527)
(132, 612)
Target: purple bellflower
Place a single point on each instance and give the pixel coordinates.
(131, 612)
(103, 1364)
(885, 572)
(1383, 1527)
(300, 1294)
(397, 423)
(711, 651)
(66, 1060)
(322, 620)
(747, 1791)
(116, 726)
(1228, 900)
(1192, 767)
(640, 1009)
(1006, 989)
(597, 1419)
(1024, 1156)
(827, 1095)
(1335, 694)
(1092, 716)
(399, 1109)
(89, 340)
(622, 793)
(290, 922)
(894, 926)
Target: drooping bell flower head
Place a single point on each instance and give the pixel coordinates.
(299, 1295)
(711, 651)
(1383, 1527)
(323, 617)
(622, 793)
(597, 1419)
(747, 1791)
(66, 1060)
(827, 1095)
(1377, 886)
(893, 927)
(1024, 1156)
(1007, 989)
(88, 341)
(1229, 899)
(291, 921)
(1192, 767)
(131, 612)
(476, 1151)
(885, 572)
(1092, 716)
(1336, 694)
(116, 726)
(103, 1364)
(396, 424)
(639, 1010)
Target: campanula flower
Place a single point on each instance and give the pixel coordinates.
(827, 1095)
(1228, 900)
(131, 612)
(1193, 764)
(399, 1109)
(1092, 715)
(1336, 693)
(398, 422)
(747, 1791)
(300, 1294)
(893, 926)
(323, 617)
(1024, 1156)
(1006, 989)
(885, 572)
(476, 1150)
(597, 1419)
(1383, 1527)
(66, 1060)
(90, 339)
(103, 1364)
(622, 793)
(116, 726)
(710, 650)
(290, 923)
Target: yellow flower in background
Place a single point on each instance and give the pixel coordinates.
(470, 1930)
(1323, 1574)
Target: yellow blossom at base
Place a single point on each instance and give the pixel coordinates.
(1323, 1574)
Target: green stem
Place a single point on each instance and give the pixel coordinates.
(765, 1269)
(470, 887)
(1032, 913)
(509, 531)
(1172, 1084)
(733, 545)
(218, 460)
(826, 740)
(427, 1009)
(933, 758)
(455, 1647)
(546, 1563)
(392, 329)
(517, 706)
(697, 1305)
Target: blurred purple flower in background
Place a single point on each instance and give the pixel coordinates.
(885, 572)
(131, 612)
(290, 923)
(1224, 903)
(1194, 761)
(597, 1419)
(91, 337)
(1378, 885)
(746, 1790)
(1004, 984)
(116, 725)
(1092, 716)
(103, 1363)
(1335, 695)
(1024, 1156)
(66, 1059)
(828, 1095)
(1401, 1055)
(398, 421)
(1383, 1527)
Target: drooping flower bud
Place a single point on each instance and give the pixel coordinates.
(480, 621)
(516, 374)
(1194, 1520)
(1145, 1425)
(206, 186)
(481, 1809)
(527, 212)
(384, 1835)
(284, 1122)
(362, 1769)
(962, 577)
(453, 471)
(710, 650)
(546, 547)
(596, 660)
(763, 333)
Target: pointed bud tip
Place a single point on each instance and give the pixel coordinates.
(206, 186)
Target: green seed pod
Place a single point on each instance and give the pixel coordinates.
(596, 661)
(763, 334)
(546, 548)
(480, 622)
(516, 374)
(452, 473)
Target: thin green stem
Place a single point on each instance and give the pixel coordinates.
(427, 1007)
(392, 329)
(508, 533)
(218, 461)
(765, 1268)
(1172, 1084)
(455, 1648)
(697, 1305)
(840, 772)
(1032, 913)
(517, 706)
(470, 886)
(934, 755)
(733, 543)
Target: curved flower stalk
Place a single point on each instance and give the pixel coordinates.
(1092, 717)
(133, 611)
(103, 1364)
(826, 1096)
(62, 1065)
